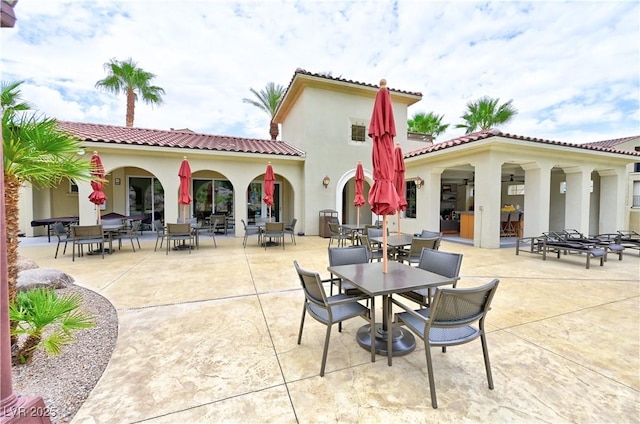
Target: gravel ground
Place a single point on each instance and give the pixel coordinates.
(65, 381)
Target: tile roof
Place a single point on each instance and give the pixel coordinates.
(364, 84)
(185, 139)
(612, 143)
(483, 135)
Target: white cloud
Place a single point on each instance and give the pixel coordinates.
(572, 69)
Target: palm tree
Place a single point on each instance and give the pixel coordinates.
(484, 114)
(40, 309)
(268, 101)
(125, 77)
(35, 151)
(427, 123)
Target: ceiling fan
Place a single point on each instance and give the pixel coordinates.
(513, 179)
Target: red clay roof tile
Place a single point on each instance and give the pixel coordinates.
(177, 138)
(482, 135)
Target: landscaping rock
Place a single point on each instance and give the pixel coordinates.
(43, 277)
(26, 263)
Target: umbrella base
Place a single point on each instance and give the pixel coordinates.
(402, 343)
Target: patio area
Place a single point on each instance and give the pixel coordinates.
(211, 337)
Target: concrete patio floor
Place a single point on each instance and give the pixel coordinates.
(211, 337)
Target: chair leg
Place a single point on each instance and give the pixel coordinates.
(432, 384)
(487, 363)
(57, 247)
(326, 349)
(304, 310)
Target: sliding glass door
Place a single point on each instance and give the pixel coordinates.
(146, 197)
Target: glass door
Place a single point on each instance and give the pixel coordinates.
(146, 197)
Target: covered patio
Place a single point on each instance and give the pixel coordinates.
(211, 337)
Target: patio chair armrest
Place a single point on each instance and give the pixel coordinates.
(347, 299)
(409, 310)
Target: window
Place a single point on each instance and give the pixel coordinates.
(563, 187)
(73, 187)
(358, 132)
(636, 194)
(517, 189)
(410, 195)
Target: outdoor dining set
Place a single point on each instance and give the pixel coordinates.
(443, 315)
(96, 237)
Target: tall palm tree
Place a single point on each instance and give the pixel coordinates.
(35, 151)
(484, 114)
(268, 100)
(125, 77)
(427, 123)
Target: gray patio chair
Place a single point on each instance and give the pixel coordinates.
(291, 229)
(161, 233)
(373, 249)
(330, 310)
(180, 234)
(86, 235)
(250, 230)
(60, 231)
(346, 256)
(449, 322)
(274, 231)
(338, 234)
(412, 255)
(439, 262)
(429, 234)
(131, 233)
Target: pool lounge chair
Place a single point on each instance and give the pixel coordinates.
(560, 243)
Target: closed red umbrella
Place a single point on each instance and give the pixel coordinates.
(184, 195)
(269, 187)
(97, 196)
(358, 199)
(399, 181)
(383, 197)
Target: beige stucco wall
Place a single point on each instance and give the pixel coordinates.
(320, 124)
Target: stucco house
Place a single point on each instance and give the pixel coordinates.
(324, 122)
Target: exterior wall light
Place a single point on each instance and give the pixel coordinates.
(419, 182)
(326, 181)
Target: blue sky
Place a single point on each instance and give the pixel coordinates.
(572, 69)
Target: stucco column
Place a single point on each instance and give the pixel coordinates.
(87, 212)
(537, 198)
(577, 198)
(612, 211)
(488, 186)
(171, 186)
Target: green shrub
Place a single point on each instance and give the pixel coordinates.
(39, 309)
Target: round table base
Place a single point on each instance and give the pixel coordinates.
(403, 341)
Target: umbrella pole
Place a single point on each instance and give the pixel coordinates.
(358, 217)
(399, 224)
(98, 211)
(384, 244)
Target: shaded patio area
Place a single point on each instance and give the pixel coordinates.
(211, 337)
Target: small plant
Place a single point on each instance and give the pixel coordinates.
(35, 310)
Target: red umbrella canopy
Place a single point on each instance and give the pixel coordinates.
(382, 195)
(184, 196)
(358, 199)
(269, 187)
(399, 177)
(97, 197)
